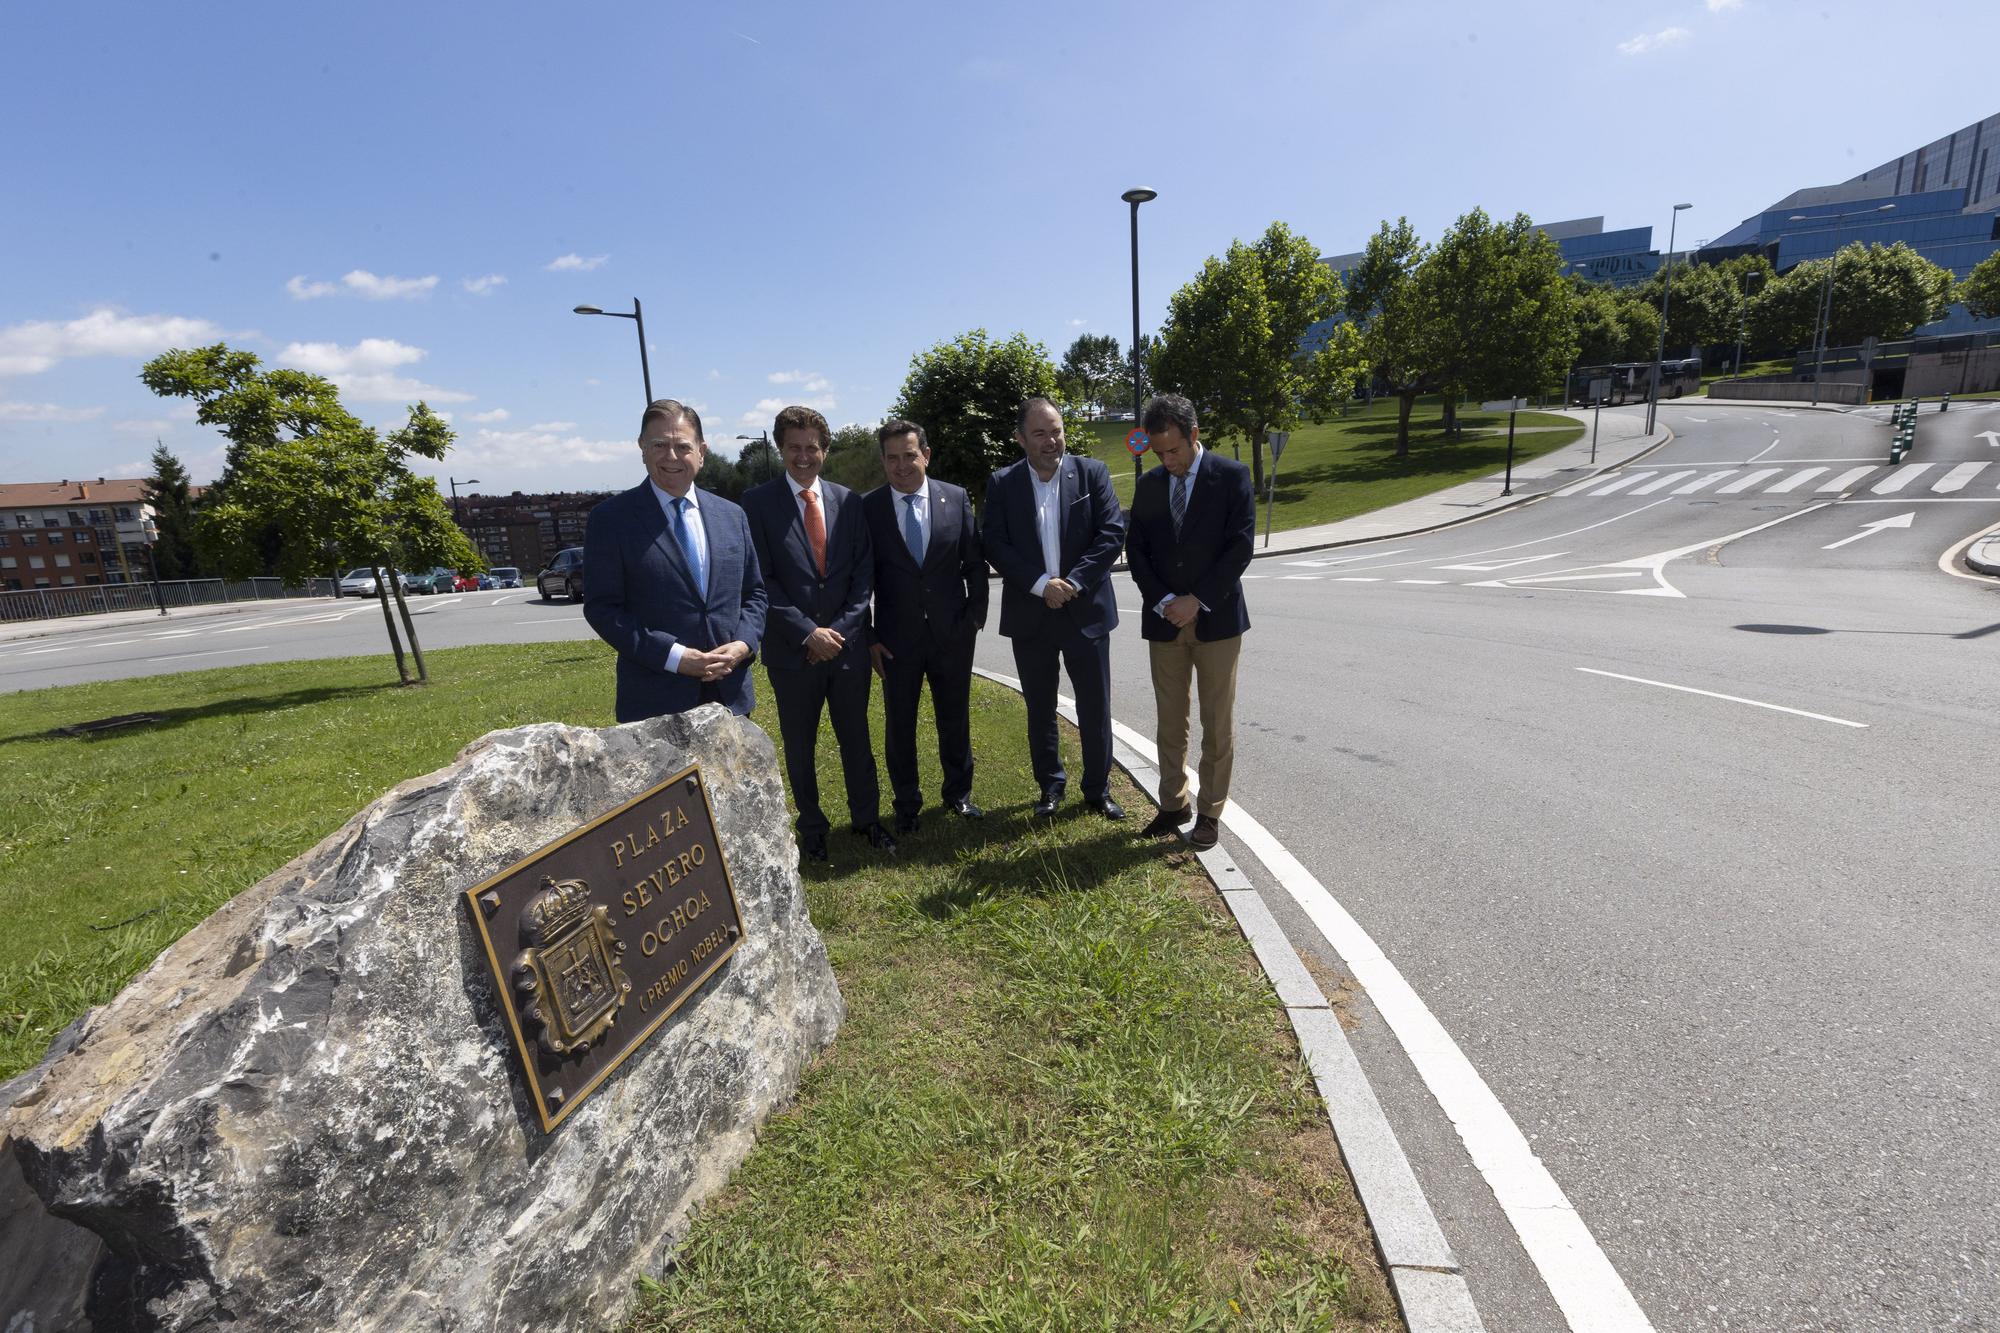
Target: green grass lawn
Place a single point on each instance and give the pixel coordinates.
(1348, 465)
(1065, 1097)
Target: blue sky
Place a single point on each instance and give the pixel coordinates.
(409, 198)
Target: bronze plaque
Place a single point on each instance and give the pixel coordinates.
(598, 937)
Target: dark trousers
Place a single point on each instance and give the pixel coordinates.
(1088, 662)
(801, 693)
(948, 668)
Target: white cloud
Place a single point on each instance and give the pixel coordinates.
(30, 348)
(714, 375)
(553, 427)
(482, 286)
(534, 450)
(143, 426)
(1647, 42)
(575, 263)
(10, 411)
(362, 283)
(1078, 323)
(365, 371)
(767, 408)
(497, 415)
(1723, 6)
(810, 381)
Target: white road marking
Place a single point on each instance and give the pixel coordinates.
(37, 652)
(1700, 482)
(1624, 481)
(1702, 420)
(1732, 698)
(497, 600)
(1308, 578)
(1796, 480)
(1845, 479)
(1346, 559)
(1355, 578)
(1489, 566)
(1255, 576)
(1955, 479)
(217, 652)
(1431, 582)
(170, 634)
(1560, 578)
(1870, 529)
(1744, 484)
(1900, 477)
(1664, 482)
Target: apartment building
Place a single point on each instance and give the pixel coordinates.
(64, 534)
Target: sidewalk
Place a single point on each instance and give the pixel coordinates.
(36, 629)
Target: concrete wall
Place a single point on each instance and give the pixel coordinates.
(1966, 371)
(1790, 391)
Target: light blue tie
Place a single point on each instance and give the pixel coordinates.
(913, 530)
(686, 539)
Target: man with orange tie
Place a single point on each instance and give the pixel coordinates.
(812, 544)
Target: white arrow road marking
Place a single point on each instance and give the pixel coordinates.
(1992, 438)
(1655, 564)
(1870, 529)
(1489, 566)
(1735, 699)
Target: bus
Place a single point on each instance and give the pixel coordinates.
(1631, 381)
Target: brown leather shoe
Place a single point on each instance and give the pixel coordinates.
(1205, 833)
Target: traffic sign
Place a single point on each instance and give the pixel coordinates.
(1278, 439)
(1136, 440)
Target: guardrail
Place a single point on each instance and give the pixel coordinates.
(102, 598)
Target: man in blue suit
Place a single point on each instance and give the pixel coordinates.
(1194, 520)
(812, 544)
(670, 579)
(1053, 528)
(930, 604)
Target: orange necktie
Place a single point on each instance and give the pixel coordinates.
(815, 530)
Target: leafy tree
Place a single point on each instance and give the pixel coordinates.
(855, 458)
(1519, 328)
(965, 393)
(1232, 341)
(1707, 307)
(1879, 291)
(1383, 302)
(756, 462)
(1612, 324)
(1981, 289)
(1094, 369)
(167, 490)
(335, 492)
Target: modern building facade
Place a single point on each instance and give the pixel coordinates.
(63, 534)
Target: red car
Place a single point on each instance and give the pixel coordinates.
(464, 583)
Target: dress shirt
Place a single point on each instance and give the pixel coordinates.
(1194, 466)
(799, 494)
(922, 509)
(1048, 523)
(696, 532)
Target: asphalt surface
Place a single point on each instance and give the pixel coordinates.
(1664, 791)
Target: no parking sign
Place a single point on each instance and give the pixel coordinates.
(1136, 440)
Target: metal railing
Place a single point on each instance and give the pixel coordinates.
(102, 598)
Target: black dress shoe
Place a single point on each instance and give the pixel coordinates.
(1167, 821)
(1105, 806)
(1051, 798)
(878, 837)
(812, 846)
(1204, 834)
(907, 823)
(965, 809)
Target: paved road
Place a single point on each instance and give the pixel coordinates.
(1663, 792)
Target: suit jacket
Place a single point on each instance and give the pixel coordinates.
(1209, 556)
(942, 602)
(640, 597)
(802, 601)
(1092, 534)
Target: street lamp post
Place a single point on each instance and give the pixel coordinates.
(1666, 303)
(1136, 198)
(763, 455)
(458, 514)
(1826, 293)
(638, 317)
(1742, 323)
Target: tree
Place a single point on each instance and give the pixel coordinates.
(1094, 369)
(965, 392)
(167, 491)
(1981, 289)
(1612, 324)
(1879, 291)
(1384, 303)
(1234, 341)
(300, 466)
(1497, 311)
(855, 458)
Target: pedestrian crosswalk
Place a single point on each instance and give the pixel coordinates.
(1971, 480)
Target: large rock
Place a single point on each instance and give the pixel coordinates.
(309, 1112)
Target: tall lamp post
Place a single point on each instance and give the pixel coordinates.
(1826, 294)
(763, 455)
(457, 514)
(635, 315)
(1136, 198)
(1742, 322)
(1666, 303)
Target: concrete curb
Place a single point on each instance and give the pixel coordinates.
(1425, 1272)
(1984, 554)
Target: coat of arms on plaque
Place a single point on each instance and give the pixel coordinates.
(568, 976)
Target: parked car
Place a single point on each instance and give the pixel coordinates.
(506, 576)
(563, 577)
(356, 583)
(465, 583)
(430, 582)
(485, 582)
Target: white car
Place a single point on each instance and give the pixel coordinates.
(357, 583)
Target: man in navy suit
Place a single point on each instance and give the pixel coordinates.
(670, 579)
(812, 543)
(1053, 528)
(1193, 522)
(930, 604)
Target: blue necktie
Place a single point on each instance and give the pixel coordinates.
(913, 531)
(686, 539)
(1178, 502)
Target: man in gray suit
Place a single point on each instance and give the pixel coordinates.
(670, 579)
